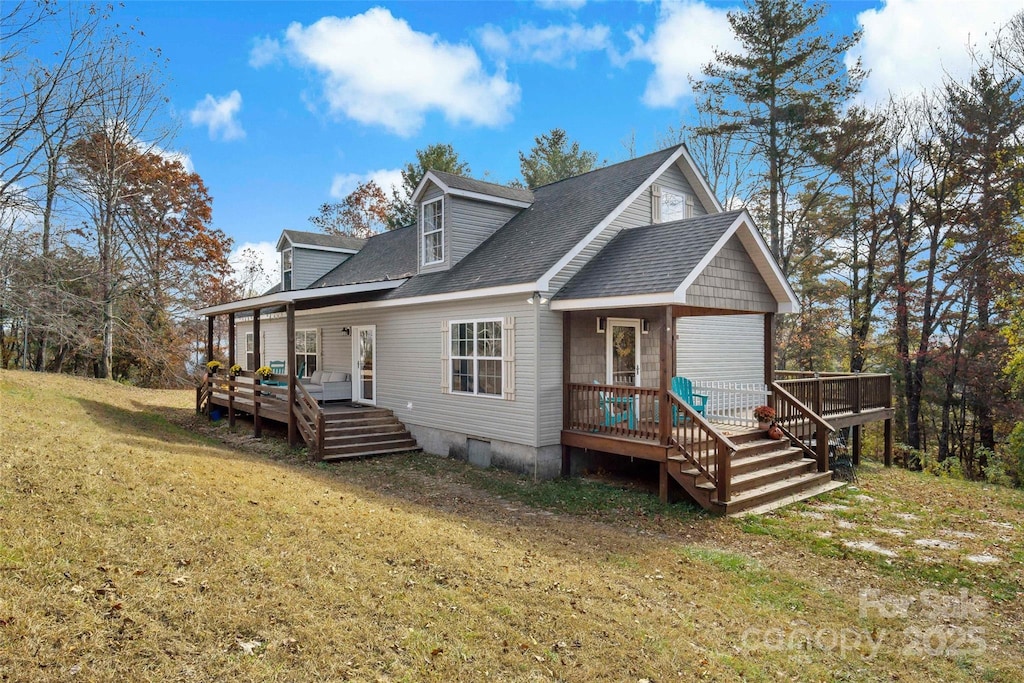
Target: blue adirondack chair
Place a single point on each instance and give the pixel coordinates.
(615, 409)
(683, 388)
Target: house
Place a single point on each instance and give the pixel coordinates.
(530, 329)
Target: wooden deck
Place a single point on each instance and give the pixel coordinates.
(725, 467)
(331, 431)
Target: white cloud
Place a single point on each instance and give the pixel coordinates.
(909, 44)
(377, 70)
(219, 116)
(554, 44)
(265, 50)
(683, 41)
(266, 255)
(388, 179)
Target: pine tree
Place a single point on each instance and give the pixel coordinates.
(779, 95)
(554, 158)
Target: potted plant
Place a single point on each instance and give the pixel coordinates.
(264, 371)
(765, 416)
(213, 366)
(235, 370)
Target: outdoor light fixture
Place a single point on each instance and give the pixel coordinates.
(601, 322)
(535, 296)
(347, 331)
(645, 326)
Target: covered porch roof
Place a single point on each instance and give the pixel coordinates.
(320, 296)
(663, 264)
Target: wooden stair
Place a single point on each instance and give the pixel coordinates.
(766, 473)
(362, 432)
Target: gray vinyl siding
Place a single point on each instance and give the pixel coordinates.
(731, 281)
(409, 364)
(430, 193)
(471, 223)
(550, 377)
(721, 347)
(309, 265)
(673, 180)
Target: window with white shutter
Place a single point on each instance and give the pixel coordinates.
(479, 357)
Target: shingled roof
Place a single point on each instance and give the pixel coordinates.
(561, 216)
(319, 239)
(651, 259)
(519, 194)
(388, 256)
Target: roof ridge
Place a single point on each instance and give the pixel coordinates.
(617, 163)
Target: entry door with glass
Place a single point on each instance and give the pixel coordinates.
(623, 352)
(364, 376)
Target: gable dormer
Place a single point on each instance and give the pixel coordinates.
(456, 214)
(308, 256)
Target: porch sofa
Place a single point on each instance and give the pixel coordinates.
(329, 385)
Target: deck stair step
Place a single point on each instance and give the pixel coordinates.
(765, 473)
(362, 432)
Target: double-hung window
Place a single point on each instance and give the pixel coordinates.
(432, 231)
(305, 352)
(286, 269)
(476, 357)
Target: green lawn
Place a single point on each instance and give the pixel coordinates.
(138, 542)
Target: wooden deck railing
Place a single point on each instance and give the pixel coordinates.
(252, 394)
(613, 409)
(803, 425)
(702, 445)
(310, 421)
(835, 393)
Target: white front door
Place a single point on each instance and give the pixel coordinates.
(364, 375)
(623, 352)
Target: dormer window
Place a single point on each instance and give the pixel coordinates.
(432, 231)
(286, 269)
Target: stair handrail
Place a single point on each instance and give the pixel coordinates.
(724, 447)
(822, 428)
(309, 418)
(203, 394)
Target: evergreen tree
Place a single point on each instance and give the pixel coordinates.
(436, 157)
(554, 158)
(779, 95)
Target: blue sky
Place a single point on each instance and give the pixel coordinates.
(283, 106)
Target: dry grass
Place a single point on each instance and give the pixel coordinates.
(134, 547)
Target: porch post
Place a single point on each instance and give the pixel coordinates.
(257, 425)
(856, 444)
(667, 361)
(887, 455)
(769, 354)
(293, 427)
(566, 394)
(231, 362)
(209, 338)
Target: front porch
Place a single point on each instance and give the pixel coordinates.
(331, 429)
(716, 452)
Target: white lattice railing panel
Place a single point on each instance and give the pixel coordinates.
(732, 403)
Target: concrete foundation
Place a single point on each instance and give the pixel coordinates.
(544, 462)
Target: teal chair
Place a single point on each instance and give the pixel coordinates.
(683, 388)
(616, 409)
(278, 368)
